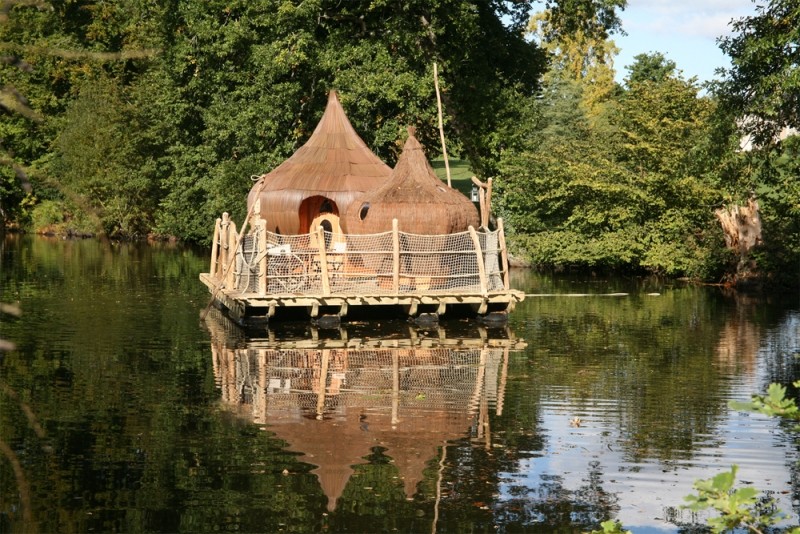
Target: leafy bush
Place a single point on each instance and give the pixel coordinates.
(59, 218)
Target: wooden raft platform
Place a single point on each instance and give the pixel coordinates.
(325, 274)
(240, 305)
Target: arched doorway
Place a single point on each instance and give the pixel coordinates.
(313, 207)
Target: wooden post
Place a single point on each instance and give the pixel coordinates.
(261, 232)
(482, 204)
(488, 201)
(323, 262)
(224, 246)
(479, 255)
(212, 270)
(484, 199)
(395, 257)
(501, 239)
(233, 242)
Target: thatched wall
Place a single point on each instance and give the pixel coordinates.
(413, 195)
(334, 164)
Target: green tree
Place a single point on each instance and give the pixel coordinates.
(761, 92)
(214, 92)
(652, 67)
(583, 55)
(239, 77)
(97, 159)
(628, 189)
(661, 122)
(60, 46)
(763, 84)
(574, 204)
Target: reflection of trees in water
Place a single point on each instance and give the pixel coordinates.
(551, 506)
(667, 361)
(145, 454)
(109, 362)
(754, 334)
(782, 342)
(472, 502)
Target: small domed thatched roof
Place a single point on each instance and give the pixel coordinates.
(416, 197)
(331, 169)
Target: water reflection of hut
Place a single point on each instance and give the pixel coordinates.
(335, 399)
(333, 228)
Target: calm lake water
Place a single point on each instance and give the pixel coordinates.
(121, 410)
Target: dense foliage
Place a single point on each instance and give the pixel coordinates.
(157, 113)
(629, 178)
(144, 117)
(628, 188)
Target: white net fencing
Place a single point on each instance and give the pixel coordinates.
(327, 263)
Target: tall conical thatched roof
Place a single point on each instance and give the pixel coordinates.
(334, 163)
(413, 195)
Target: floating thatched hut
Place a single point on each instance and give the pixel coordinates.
(333, 228)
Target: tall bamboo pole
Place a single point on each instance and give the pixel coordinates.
(441, 122)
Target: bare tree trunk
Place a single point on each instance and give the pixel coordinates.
(742, 228)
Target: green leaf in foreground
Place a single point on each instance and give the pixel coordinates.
(738, 508)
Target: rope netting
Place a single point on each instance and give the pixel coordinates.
(377, 264)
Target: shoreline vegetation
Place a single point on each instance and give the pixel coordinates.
(135, 121)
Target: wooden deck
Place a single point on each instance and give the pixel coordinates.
(240, 304)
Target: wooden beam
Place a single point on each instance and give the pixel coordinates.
(501, 238)
(441, 123)
(488, 201)
(261, 232)
(215, 249)
(323, 262)
(395, 257)
(223, 244)
(233, 242)
(479, 254)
